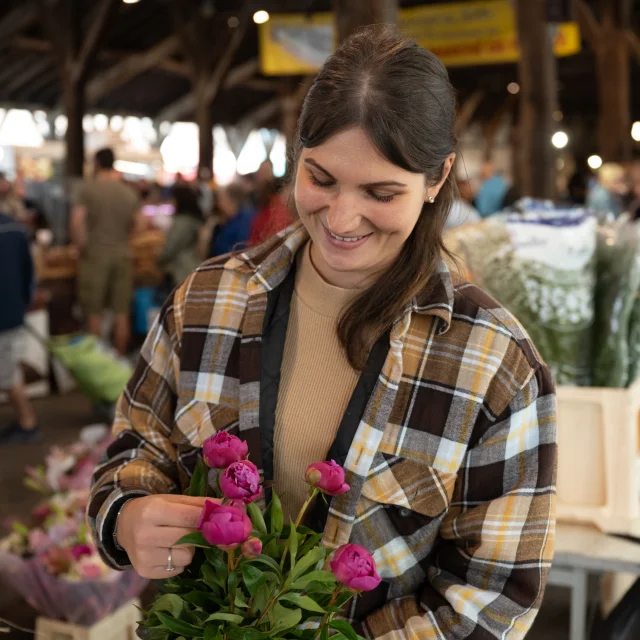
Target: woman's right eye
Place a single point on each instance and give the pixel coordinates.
(320, 183)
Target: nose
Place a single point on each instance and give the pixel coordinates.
(343, 216)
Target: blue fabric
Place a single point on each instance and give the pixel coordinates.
(490, 196)
(602, 201)
(16, 273)
(232, 235)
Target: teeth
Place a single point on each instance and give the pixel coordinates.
(342, 239)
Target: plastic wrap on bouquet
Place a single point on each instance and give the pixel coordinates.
(82, 602)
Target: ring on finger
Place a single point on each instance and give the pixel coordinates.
(170, 566)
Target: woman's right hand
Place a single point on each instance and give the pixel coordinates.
(149, 527)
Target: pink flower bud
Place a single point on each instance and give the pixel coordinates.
(252, 548)
(223, 449)
(223, 525)
(241, 481)
(355, 568)
(328, 477)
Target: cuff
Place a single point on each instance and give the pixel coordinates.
(113, 554)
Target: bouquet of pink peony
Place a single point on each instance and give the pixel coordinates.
(253, 576)
(51, 561)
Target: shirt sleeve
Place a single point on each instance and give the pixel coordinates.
(489, 571)
(142, 460)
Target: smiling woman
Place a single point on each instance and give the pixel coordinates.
(345, 338)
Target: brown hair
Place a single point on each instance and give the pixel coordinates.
(399, 94)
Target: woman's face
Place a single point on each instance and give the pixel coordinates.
(358, 207)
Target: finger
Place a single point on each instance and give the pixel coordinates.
(158, 573)
(194, 501)
(184, 516)
(166, 536)
(158, 557)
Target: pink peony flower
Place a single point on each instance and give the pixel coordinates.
(38, 540)
(241, 481)
(90, 569)
(328, 477)
(224, 525)
(57, 560)
(252, 548)
(355, 568)
(80, 550)
(224, 449)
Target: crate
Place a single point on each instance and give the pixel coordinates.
(598, 455)
(120, 625)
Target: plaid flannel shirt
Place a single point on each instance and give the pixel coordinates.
(452, 466)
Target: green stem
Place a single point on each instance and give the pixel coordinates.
(328, 616)
(266, 609)
(230, 567)
(312, 494)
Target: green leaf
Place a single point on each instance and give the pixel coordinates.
(270, 562)
(293, 545)
(304, 602)
(257, 519)
(324, 634)
(170, 602)
(277, 517)
(198, 485)
(285, 618)
(195, 539)
(201, 599)
(178, 626)
(226, 617)
(245, 633)
(314, 576)
(307, 562)
(344, 628)
(260, 599)
(240, 602)
(211, 576)
(252, 577)
(212, 632)
(215, 557)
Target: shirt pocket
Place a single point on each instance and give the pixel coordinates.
(399, 515)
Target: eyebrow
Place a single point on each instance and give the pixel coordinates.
(369, 185)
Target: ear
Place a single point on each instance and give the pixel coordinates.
(434, 190)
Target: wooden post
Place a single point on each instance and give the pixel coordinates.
(62, 21)
(351, 15)
(209, 67)
(538, 99)
(614, 121)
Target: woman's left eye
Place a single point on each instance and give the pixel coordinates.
(380, 198)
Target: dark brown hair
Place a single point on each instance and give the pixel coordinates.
(399, 94)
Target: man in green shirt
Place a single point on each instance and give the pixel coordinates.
(102, 219)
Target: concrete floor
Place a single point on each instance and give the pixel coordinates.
(61, 418)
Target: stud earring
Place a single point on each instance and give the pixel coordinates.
(431, 199)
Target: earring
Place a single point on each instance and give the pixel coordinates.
(431, 199)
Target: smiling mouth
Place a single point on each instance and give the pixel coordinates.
(347, 238)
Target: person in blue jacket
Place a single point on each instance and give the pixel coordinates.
(16, 289)
(234, 230)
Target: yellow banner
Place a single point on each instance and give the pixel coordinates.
(461, 34)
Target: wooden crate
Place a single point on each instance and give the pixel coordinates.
(120, 625)
(598, 445)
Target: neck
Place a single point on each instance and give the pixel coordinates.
(107, 174)
(342, 279)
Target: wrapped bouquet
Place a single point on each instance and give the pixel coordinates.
(254, 576)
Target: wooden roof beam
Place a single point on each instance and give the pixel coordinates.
(17, 20)
(128, 68)
(634, 44)
(187, 103)
(589, 24)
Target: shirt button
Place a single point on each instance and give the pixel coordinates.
(404, 512)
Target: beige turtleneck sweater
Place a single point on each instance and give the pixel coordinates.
(316, 382)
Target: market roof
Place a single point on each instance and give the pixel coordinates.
(29, 73)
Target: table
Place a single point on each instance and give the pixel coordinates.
(582, 550)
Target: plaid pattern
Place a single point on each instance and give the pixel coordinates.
(452, 467)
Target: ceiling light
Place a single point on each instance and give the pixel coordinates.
(558, 116)
(233, 22)
(87, 124)
(130, 1)
(560, 140)
(635, 131)
(595, 162)
(260, 17)
(513, 88)
(100, 122)
(116, 123)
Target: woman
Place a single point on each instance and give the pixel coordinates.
(180, 256)
(606, 195)
(346, 339)
(234, 229)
